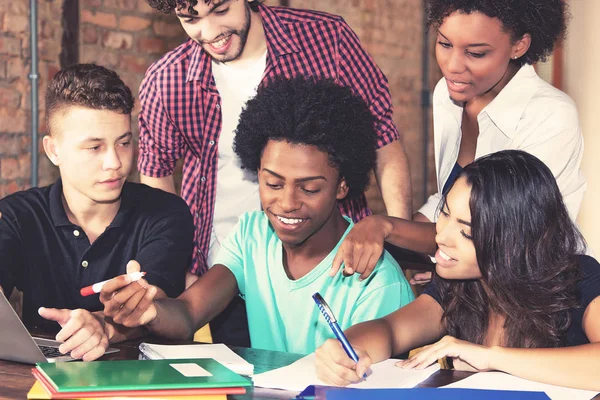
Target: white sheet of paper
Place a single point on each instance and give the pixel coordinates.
(218, 352)
(190, 370)
(502, 381)
(297, 376)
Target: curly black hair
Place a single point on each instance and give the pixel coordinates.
(169, 6)
(314, 112)
(90, 86)
(544, 20)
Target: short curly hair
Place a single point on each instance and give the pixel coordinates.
(169, 6)
(316, 112)
(90, 86)
(544, 20)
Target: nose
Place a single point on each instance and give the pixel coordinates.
(288, 201)
(207, 31)
(112, 160)
(455, 62)
(443, 230)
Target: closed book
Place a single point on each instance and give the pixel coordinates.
(218, 352)
(38, 392)
(126, 375)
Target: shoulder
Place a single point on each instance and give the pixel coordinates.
(293, 16)
(26, 202)
(550, 104)
(589, 284)
(175, 61)
(387, 271)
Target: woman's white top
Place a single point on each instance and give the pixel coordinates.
(529, 114)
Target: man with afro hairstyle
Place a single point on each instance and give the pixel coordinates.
(311, 144)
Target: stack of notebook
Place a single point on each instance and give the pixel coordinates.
(179, 379)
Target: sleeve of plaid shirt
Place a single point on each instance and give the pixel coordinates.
(161, 144)
(359, 71)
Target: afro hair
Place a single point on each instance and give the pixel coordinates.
(320, 113)
(544, 20)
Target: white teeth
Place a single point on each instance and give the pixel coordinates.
(458, 83)
(220, 43)
(445, 256)
(290, 221)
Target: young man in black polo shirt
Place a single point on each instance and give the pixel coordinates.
(91, 223)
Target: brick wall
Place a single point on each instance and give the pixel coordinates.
(127, 35)
(15, 135)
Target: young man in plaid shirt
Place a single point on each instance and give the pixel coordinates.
(192, 97)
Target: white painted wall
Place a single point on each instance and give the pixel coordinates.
(582, 83)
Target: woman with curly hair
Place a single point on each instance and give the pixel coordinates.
(489, 99)
(510, 293)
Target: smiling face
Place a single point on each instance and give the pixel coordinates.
(299, 190)
(93, 150)
(474, 52)
(455, 257)
(221, 27)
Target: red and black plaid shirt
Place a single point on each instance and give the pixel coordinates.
(181, 116)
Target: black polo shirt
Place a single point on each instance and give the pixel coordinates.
(50, 259)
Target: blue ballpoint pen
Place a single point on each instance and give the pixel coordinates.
(330, 318)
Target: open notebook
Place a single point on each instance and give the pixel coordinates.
(298, 375)
(218, 352)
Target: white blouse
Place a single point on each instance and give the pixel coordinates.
(529, 114)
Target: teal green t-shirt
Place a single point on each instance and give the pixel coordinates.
(282, 315)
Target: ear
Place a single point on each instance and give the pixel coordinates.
(50, 147)
(342, 189)
(521, 46)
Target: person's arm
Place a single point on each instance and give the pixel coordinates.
(198, 305)
(10, 251)
(362, 247)
(358, 71)
(418, 323)
(161, 143)
(575, 366)
(393, 177)
(165, 183)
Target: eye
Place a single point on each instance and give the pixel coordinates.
(125, 144)
(445, 45)
(274, 186)
(94, 148)
(221, 12)
(311, 191)
(465, 235)
(476, 55)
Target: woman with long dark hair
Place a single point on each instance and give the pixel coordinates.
(511, 291)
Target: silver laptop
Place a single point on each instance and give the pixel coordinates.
(16, 344)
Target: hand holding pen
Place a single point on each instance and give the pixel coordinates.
(337, 361)
(125, 300)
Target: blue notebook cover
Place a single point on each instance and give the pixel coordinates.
(332, 393)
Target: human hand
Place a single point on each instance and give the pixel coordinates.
(466, 356)
(421, 278)
(334, 367)
(361, 248)
(82, 332)
(129, 303)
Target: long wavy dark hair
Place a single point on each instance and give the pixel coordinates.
(526, 247)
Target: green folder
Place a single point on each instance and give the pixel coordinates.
(140, 375)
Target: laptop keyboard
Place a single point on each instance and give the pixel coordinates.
(50, 352)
